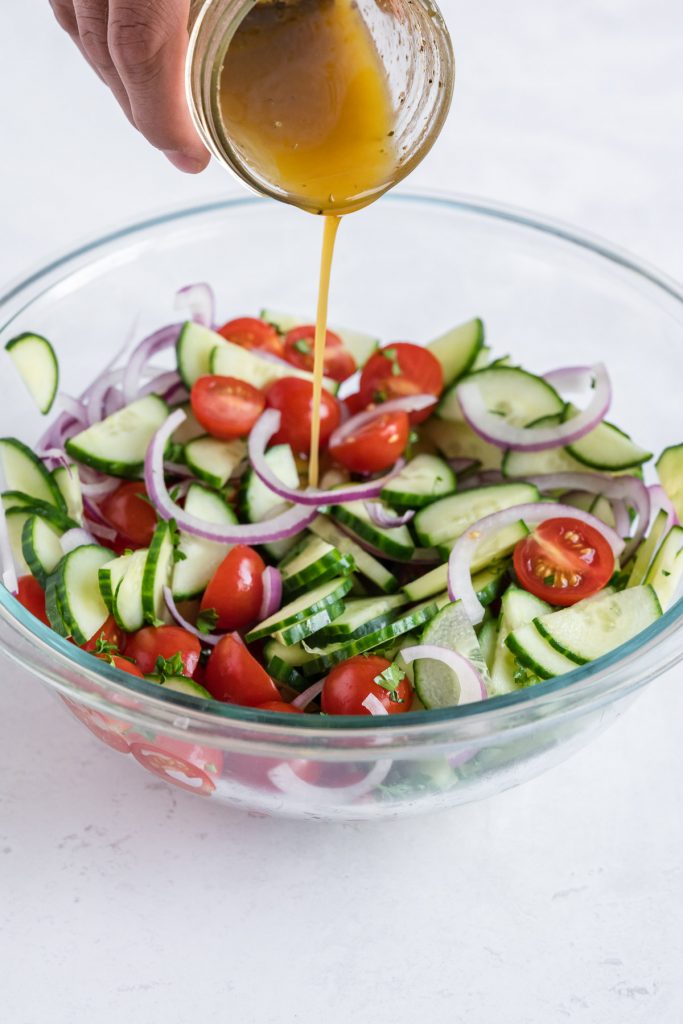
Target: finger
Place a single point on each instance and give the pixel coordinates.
(65, 17)
(92, 18)
(148, 44)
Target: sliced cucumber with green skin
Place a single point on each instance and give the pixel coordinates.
(596, 626)
(483, 359)
(488, 636)
(127, 609)
(601, 509)
(181, 684)
(666, 571)
(41, 548)
(606, 448)
(33, 506)
(81, 606)
(305, 628)
(326, 657)
(493, 547)
(457, 349)
(25, 472)
(436, 684)
(36, 361)
(192, 574)
(214, 461)
(118, 444)
(315, 562)
(366, 564)
(109, 576)
(259, 503)
(488, 572)
(194, 348)
(459, 441)
(360, 345)
(670, 473)
(534, 653)
(647, 549)
(302, 608)
(448, 519)
(361, 615)
(518, 608)
(16, 518)
(69, 484)
(490, 582)
(283, 663)
(53, 608)
(425, 479)
(396, 543)
(157, 575)
(518, 396)
(553, 460)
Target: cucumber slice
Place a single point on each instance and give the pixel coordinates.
(193, 573)
(666, 571)
(396, 543)
(606, 447)
(425, 479)
(41, 548)
(446, 520)
(109, 577)
(53, 609)
(647, 549)
(601, 509)
(494, 547)
(214, 461)
(361, 615)
(518, 608)
(534, 653)
(360, 345)
(488, 635)
(458, 349)
(593, 627)
(194, 349)
(127, 608)
(302, 608)
(189, 429)
(33, 506)
(157, 575)
(670, 473)
(459, 441)
(25, 472)
(436, 684)
(520, 397)
(326, 657)
(181, 684)
(553, 460)
(36, 361)
(483, 359)
(80, 603)
(366, 564)
(488, 571)
(489, 583)
(69, 484)
(314, 562)
(305, 628)
(118, 444)
(259, 503)
(283, 663)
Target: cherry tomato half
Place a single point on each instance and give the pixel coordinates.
(376, 445)
(399, 370)
(226, 407)
(122, 664)
(153, 642)
(128, 511)
(563, 561)
(108, 635)
(281, 706)
(249, 332)
(235, 676)
(299, 351)
(235, 591)
(294, 398)
(349, 683)
(32, 596)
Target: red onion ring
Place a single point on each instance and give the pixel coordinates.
(411, 403)
(472, 686)
(308, 695)
(659, 500)
(374, 705)
(161, 384)
(272, 592)
(74, 407)
(496, 430)
(76, 538)
(206, 638)
(200, 300)
(459, 576)
(165, 337)
(280, 527)
(100, 488)
(385, 518)
(484, 478)
(462, 465)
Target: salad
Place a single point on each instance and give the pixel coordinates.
(475, 531)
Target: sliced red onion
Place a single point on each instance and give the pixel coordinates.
(74, 407)
(374, 705)
(113, 402)
(206, 638)
(76, 538)
(496, 429)
(55, 456)
(659, 500)
(266, 427)
(272, 592)
(484, 478)
(178, 469)
(459, 576)
(287, 781)
(411, 403)
(100, 530)
(177, 394)
(100, 488)
(161, 384)
(384, 517)
(308, 695)
(622, 520)
(164, 338)
(462, 465)
(472, 686)
(200, 300)
(280, 527)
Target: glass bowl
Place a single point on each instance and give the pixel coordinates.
(407, 268)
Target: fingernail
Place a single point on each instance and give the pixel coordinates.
(185, 163)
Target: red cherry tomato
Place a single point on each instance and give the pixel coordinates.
(236, 589)
(563, 561)
(235, 676)
(226, 407)
(172, 768)
(153, 642)
(111, 731)
(376, 445)
(399, 370)
(349, 683)
(294, 398)
(108, 634)
(280, 705)
(299, 351)
(128, 511)
(32, 596)
(122, 664)
(251, 333)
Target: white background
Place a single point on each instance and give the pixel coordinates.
(121, 899)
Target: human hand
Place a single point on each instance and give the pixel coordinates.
(138, 48)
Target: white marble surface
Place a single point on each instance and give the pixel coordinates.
(123, 900)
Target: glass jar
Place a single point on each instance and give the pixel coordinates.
(413, 45)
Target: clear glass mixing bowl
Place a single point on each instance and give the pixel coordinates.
(407, 268)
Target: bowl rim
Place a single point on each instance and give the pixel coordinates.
(624, 668)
